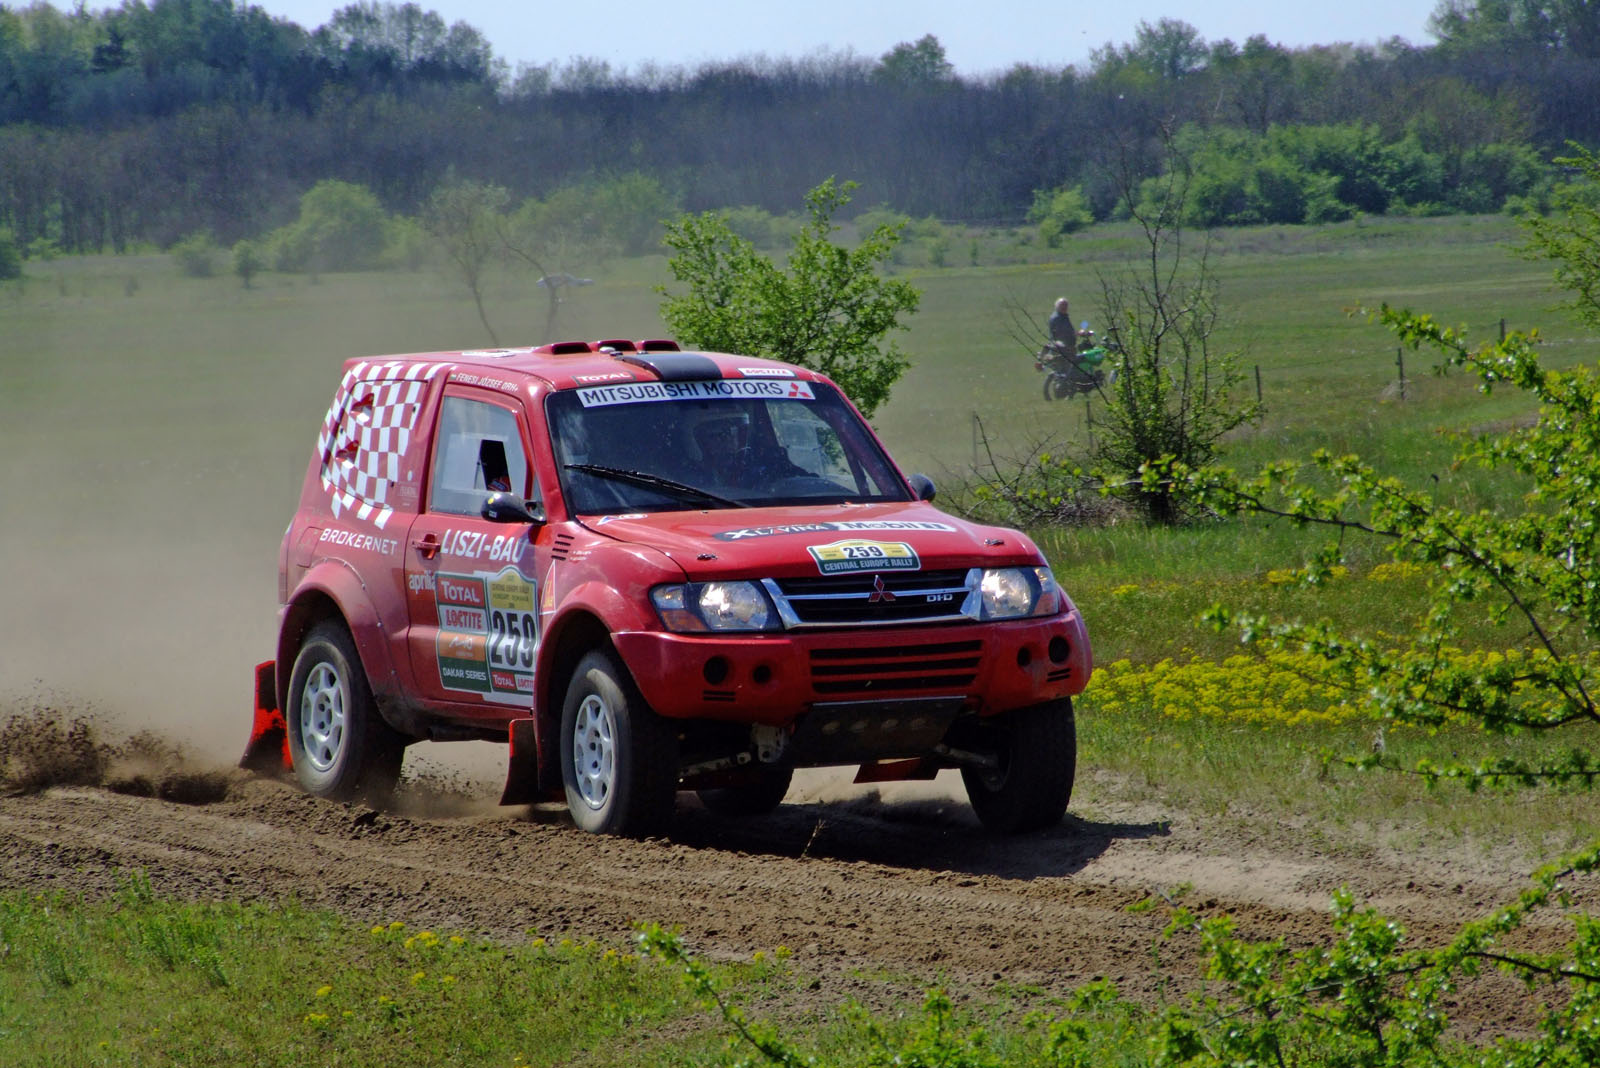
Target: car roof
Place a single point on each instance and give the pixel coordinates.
(573, 364)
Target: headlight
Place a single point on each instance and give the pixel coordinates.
(1016, 592)
(721, 606)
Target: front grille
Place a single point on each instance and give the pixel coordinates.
(948, 667)
(872, 598)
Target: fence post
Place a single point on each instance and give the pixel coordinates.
(1258, 385)
(1400, 361)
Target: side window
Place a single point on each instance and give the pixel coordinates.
(478, 450)
(810, 442)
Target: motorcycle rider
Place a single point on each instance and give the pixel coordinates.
(1063, 334)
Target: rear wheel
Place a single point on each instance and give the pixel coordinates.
(619, 760)
(1029, 788)
(340, 745)
(755, 798)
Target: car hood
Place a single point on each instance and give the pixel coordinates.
(790, 541)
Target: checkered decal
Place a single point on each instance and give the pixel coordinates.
(365, 433)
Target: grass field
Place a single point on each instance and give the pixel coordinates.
(157, 429)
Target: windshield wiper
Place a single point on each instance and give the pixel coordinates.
(649, 481)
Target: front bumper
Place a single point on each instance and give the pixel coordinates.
(775, 678)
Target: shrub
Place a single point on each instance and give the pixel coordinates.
(405, 244)
(340, 228)
(1059, 212)
(247, 261)
(196, 256)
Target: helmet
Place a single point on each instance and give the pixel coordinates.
(719, 435)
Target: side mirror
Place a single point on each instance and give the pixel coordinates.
(922, 486)
(505, 508)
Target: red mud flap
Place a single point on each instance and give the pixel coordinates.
(522, 765)
(268, 750)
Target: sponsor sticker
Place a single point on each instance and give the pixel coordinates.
(609, 376)
(766, 372)
(715, 389)
(817, 528)
(355, 540)
(856, 554)
(488, 633)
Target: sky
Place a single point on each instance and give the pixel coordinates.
(979, 37)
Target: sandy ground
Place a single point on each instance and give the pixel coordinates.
(862, 883)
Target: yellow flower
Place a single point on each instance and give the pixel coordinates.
(324, 990)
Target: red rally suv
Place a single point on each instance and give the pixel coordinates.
(650, 570)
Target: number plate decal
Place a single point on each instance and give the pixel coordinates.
(856, 554)
(488, 634)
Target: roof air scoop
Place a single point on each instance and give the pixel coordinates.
(673, 366)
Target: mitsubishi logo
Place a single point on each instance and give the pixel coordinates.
(878, 592)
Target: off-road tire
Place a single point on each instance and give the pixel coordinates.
(755, 798)
(619, 760)
(1037, 748)
(340, 745)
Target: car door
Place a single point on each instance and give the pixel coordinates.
(472, 588)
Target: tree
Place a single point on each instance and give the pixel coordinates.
(465, 218)
(1504, 639)
(922, 63)
(829, 309)
(10, 256)
(1173, 398)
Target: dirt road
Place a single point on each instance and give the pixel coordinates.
(863, 885)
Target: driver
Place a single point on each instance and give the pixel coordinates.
(722, 440)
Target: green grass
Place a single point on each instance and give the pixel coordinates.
(141, 980)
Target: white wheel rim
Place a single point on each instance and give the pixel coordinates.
(322, 716)
(594, 752)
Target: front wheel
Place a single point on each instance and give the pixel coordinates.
(1037, 752)
(338, 742)
(619, 759)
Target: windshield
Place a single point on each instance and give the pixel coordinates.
(660, 446)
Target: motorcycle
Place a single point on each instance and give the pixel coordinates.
(1069, 373)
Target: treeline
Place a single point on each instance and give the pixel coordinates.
(152, 121)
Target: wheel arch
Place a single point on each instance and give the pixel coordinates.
(568, 638)
(332, 591)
